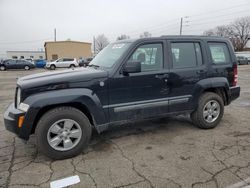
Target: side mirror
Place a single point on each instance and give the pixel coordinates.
(133, 66)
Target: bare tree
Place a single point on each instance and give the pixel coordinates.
(101, 41)
(145, 34)
(123, 37)
(242, 31)
(238, 32)
(222, 31)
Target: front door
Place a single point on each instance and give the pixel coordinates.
(144, 94)
(11, 64)
(59, 63)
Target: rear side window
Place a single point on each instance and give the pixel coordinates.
(186, 54)
(219, 53)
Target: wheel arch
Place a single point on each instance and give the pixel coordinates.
(83, 108)
(82, 99)
(218, 85)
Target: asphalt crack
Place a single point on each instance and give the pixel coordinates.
(85, 173)
(11, 162)
(133, 164)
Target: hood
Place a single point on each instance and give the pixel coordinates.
(61, 77)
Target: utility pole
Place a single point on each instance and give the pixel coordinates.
(183, 23)
(181, 26)
(94, 45)
(55, 34)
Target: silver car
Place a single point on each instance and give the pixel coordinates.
(62, 63)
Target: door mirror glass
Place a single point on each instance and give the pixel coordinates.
(133, 66)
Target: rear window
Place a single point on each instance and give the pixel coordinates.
(219, 53)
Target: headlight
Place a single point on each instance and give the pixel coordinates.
(24, 107)
(21, 106)
(18, 96)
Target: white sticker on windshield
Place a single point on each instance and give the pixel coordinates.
(115, 46)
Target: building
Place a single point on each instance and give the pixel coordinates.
(71, 49)
(25, 54)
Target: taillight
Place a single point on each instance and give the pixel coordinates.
(235, 75)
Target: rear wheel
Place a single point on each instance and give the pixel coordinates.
(2, 68)
(63, 132)
(72, 66)
(209, 112)
(52, 67)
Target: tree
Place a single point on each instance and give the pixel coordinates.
(146, 34)
(123, 37)
(242, 31)
(238, 32)
(100, 42)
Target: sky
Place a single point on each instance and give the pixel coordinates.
(27, 24)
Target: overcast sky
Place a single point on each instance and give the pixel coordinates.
(26, 24)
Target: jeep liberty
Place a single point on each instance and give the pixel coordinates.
(129, 80)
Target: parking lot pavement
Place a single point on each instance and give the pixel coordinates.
(160, 153)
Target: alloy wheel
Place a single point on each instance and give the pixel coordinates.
(211, 111)
(64, 134)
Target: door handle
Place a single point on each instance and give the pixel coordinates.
(201, 71)
(161, 76)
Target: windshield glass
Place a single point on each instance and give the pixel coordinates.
(109, 55)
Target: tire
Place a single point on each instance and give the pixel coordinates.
(2, 68)
(72, 66)
(45, 136)
(202, 110)
(52, 67)
(26, 67)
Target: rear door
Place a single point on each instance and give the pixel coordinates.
(187, 68)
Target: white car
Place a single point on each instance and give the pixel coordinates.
(62, 63)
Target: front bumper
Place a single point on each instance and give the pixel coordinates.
(11, 116)
(234, 93)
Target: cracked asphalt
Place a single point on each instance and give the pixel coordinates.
(168, 152)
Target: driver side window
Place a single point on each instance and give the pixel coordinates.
(59, 60)
(150, 56)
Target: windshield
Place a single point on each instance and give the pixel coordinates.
(109, 55)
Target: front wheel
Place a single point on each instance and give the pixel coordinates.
(2, 68)
(209, 112)
(63, 132)
(52, 67)
(26, 67)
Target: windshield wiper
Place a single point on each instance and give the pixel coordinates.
(93, 65)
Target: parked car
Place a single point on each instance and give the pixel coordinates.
(16, 64)
(242, 60)
(128, 81)
(85, 62)
(62, 63)
(40, 63)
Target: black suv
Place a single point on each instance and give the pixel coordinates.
(127, 81)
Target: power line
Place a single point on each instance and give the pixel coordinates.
(166, 27)
(219, 10)
(221, 15)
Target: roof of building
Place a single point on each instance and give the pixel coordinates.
(66, 41)
(26, 51)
